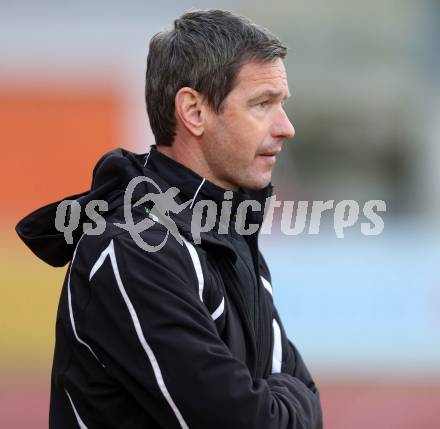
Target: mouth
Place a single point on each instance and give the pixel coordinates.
(270, 155)
(271, 152)
(268, 159)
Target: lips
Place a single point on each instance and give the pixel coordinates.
(271, 152)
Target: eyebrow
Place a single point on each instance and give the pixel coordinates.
(271, 94)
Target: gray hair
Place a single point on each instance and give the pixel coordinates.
(205, 50)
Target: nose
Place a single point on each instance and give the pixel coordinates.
(283, 128)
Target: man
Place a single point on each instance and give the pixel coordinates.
(187, 335)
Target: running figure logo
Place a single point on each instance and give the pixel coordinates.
(163, 204)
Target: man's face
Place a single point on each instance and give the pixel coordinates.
(240, 143)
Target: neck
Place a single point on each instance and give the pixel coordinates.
(191, 156)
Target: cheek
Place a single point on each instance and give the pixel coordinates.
(258, 128)
(244, 145)
(241, 135)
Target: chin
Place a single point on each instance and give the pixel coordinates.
(257, 183)
(257, 186)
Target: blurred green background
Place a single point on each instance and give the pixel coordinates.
(364, 78)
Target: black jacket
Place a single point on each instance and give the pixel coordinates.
(184, 337)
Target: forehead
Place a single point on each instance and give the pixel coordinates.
(254, 76)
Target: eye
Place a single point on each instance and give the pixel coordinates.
(262, 104)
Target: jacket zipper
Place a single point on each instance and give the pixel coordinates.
(249, 326)
(260, 331)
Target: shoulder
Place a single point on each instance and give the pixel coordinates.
(153, 252)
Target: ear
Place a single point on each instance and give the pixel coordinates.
(189, 108)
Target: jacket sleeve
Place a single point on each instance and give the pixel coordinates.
(147, 325)
(293, 362)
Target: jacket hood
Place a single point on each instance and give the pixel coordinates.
(111, 175)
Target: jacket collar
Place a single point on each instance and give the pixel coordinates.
(194, 187)
(190, 184)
